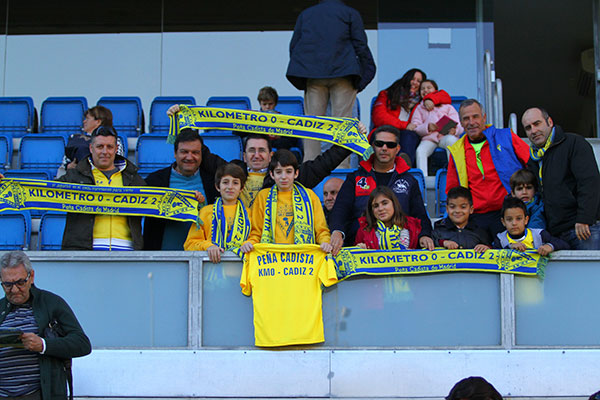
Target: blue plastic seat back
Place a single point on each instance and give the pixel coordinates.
(43, 174)
(420, 177)
(236, 102)
(52, 227)
(372, 124)
(456, 100)
(16, 230)
(440, 192)
(6, 149)
(290, 105)
(224, 144)
(152, 153)
(17, 116)
(336, 173)
(159, 121)
(128, 115)
(41, 151)
(63, 114)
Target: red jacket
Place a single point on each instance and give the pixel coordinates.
(370, 239)
(488, 192)
(382, 114)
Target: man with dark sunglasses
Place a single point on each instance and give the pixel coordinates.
(34, 369)
(384, 168)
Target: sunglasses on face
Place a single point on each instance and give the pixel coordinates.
(381, 143)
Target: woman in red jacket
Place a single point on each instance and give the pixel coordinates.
(395, 105)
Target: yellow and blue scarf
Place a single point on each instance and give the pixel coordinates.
(537, 154)
(238, 233)
(303, 216)
(389, 238)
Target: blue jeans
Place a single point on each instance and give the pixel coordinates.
(592, 243)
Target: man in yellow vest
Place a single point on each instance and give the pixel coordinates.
(104, 167)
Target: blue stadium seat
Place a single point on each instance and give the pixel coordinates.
(17, 116)
(236, 102)
(41, 151)
(128, 115)
(336, 173)
(420, 177)
(440, 192)
(52, 227)
(224, 144)
(291, 105)
(43, 174)
(16, 230)
(372, 125)
(456, 100)
(6, 148)
(152, 153)
(159, 121)
(63, 114)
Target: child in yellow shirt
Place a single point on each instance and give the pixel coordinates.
(288, 212)
(225, 224)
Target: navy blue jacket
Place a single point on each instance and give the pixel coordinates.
(329, 41)
(467, 237)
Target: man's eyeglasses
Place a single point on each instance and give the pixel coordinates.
(381, 143)
(20, 283)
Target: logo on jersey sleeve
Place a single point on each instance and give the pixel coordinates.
(364, 185)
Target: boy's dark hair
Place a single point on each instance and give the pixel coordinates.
(102, 113)
(474, 388)
(434, 83)
(284, 158)
(230, 169)
(523, 177)
(268, 93)
(460, 191)
(187, 135)
(257, 136)
(399, 217)
(513, 202)
(385, 128)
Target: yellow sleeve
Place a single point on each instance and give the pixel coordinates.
(322, 234)
(257, 216)
(327, 273)
(199, 237)
(245, 283)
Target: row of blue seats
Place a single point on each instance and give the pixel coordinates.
(16, 226)
(64, 115)
(45, 152)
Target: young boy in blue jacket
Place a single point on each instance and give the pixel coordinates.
(524, 186)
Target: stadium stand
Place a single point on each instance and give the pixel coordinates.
(16, 230)
(52, 226)
(153, 152)
(291, 105)
(236, 102)
(6, 148)
(63, 115)
(29, 174)
(440, 192)
(456, 100)
(159, 121)
(17, 116)
(420, 177)
(41, 151)
(224, 144)
(128, 114)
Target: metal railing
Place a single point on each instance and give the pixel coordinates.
(493, 92)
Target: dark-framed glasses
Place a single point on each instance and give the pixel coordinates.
(381, 143)
(20, 283)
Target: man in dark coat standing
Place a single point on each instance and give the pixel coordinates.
(329, 60)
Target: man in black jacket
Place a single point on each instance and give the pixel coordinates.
(104, 167)
(36, 370)
(569, 180)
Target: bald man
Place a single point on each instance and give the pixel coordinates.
(330, 192)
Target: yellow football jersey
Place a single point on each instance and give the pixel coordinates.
(285, 283)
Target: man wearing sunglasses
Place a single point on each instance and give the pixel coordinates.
(384, 168)
(104, 167)
(34, 369)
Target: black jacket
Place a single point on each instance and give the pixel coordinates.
(329, 41)
(570, 182)
(467, 238)
(46, 307)
(79, 229)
